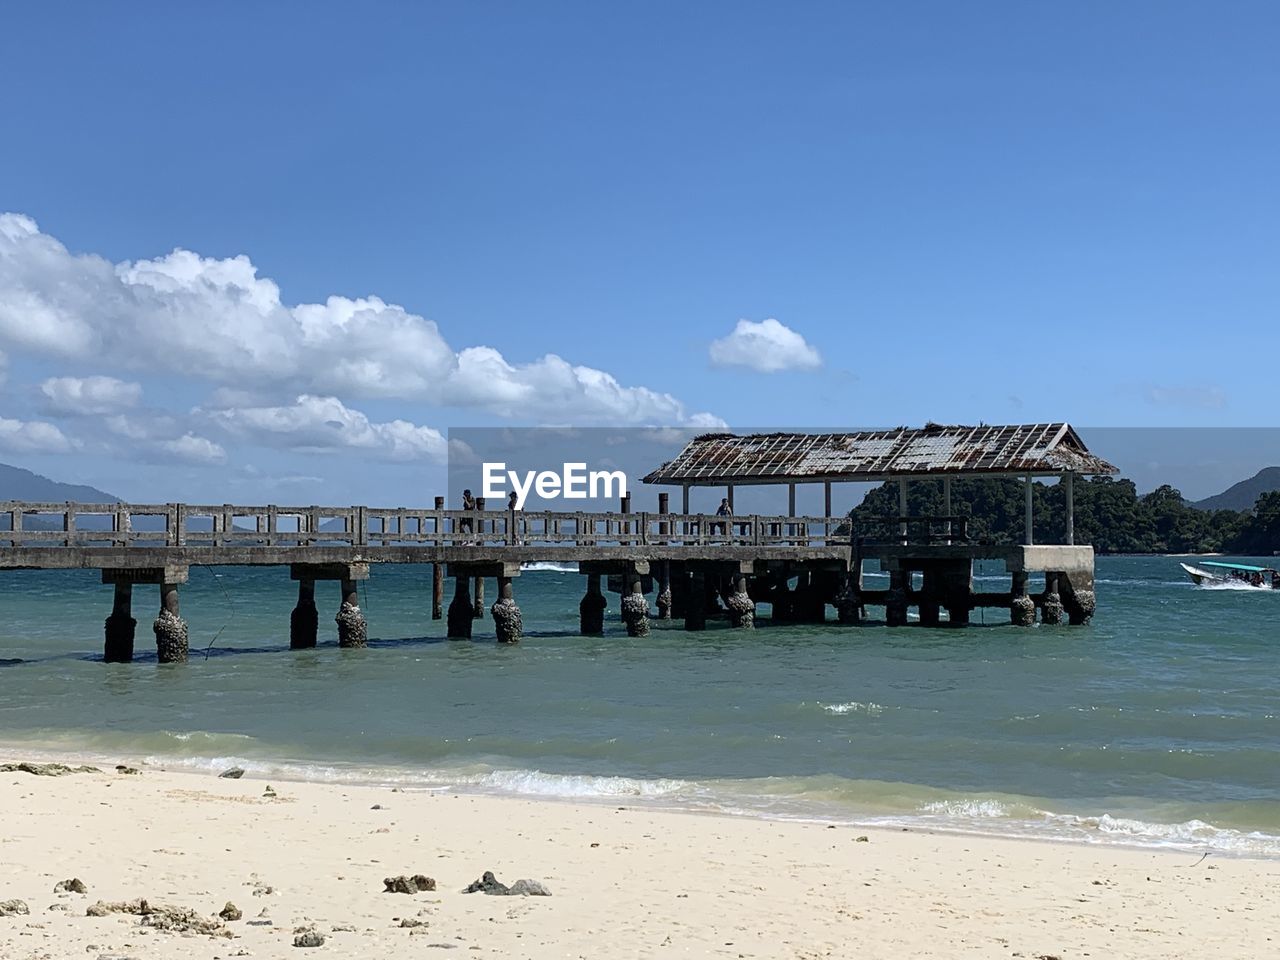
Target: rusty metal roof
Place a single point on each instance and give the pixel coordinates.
(933, 450)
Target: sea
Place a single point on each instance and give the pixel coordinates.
(1156, 725)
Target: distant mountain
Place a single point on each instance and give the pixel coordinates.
(1243, 495)
(19, 484)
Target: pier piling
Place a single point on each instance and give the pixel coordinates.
(169, 627)
(120, 626)
(437, 591)
(353, 631)
(1022, 609)
(304, 621)
(663, 600)
(461, 610)
(848, 601)
(1078, 597)
(437, 571)
(506, 615)
(591, 608)
(1051, 608)
(635, 608)
(895, 610)
(695, 610)
(742, 609)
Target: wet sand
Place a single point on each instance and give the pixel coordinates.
(625, 881)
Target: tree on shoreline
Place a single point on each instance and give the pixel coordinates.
(1109, 514)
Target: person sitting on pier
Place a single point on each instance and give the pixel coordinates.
(724, 510)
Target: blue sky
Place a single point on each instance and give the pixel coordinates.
(1002, 212)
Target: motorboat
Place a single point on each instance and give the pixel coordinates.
(1213, 573)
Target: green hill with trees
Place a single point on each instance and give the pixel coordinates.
(1109, 514)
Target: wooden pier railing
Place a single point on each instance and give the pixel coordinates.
(226, 525)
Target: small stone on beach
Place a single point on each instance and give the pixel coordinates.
(74, 885)
(410, 885)
(14, 908)
(309, 938)
(230, 912)
(235, 773)
(489, 884)
(44, 769)
(528, 888)
(521, 888)
(121, 768)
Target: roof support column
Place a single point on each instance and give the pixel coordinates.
(946, 505)
(1030, 538)
(684, 506)
(730, 490)
(1069, 481)
(902, 508)
(826, 510)
(791, 508)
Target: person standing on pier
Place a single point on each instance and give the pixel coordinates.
(512, 507)
(468, 503)
(724, 511)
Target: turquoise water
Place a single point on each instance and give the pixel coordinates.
(1159, 723)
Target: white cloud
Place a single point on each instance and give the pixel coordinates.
(34, 436)
(324, 424)
(148, 427)
(161, 438)
(767, 346)
(218, 321)
(87, 395)
(192, 449)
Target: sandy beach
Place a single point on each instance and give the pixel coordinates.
(625, 881)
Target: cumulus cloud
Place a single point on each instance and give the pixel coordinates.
(767, 346)
(33, 436)
(163, 438)
(217, 320)
(315, 424)
(89, 395)
(192, 449)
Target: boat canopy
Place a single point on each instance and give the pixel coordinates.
(1236, 566)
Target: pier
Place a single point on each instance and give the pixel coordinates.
(695, 566)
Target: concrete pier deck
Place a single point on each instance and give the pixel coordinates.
(697, 565)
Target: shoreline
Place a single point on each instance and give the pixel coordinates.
(626, 880)
(931, 816)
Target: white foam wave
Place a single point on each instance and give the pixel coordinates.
(541, 784)
(854, 706)
(980, 815)
(967, 808)
(1236, 585)
(544, 566)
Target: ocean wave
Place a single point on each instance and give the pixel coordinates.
(980, 809)
(853, 706)
(813, 798)
(1020, 819)
(544, 566)
(570, 786)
